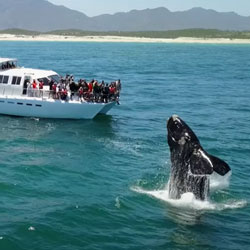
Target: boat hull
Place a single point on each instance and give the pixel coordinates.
(50, 108)
(107, 107)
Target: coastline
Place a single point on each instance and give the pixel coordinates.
(61, 38)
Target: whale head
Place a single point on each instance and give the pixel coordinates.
(180, 134)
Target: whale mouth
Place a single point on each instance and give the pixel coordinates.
(173, 120)
(175, 117)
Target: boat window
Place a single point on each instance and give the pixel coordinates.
(5, 79)
(55, 78)
(18, 80)
(14, 80)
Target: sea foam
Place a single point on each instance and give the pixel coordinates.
(188, 200)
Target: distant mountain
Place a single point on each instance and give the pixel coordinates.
(38, 15)
(41, 15)
(162, 19)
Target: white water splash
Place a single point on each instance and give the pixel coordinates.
(35, 119)
(219, 182)
(31, 229)
(117, 202)
(189, 202)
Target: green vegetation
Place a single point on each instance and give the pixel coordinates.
(20, 32)
(196, 33)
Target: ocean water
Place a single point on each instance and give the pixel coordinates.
(101, 184)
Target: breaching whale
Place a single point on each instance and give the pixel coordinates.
(191, 164)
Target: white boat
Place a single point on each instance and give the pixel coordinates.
(15, 100)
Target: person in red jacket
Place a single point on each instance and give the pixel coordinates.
(64, 94)
(34, 84)
(112, 91)
(34, 88)
(90, 85)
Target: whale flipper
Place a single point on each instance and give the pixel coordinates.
(219, 166)
(200, 165)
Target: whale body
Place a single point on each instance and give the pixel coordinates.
(191, 165)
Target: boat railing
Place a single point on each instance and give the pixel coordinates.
(44, 95)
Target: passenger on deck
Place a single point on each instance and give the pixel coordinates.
(112, 91)
(101, 86)
(73, 89)
(54, 87)
(96, 91)
(63, 84)
(85, 86)
(29, 89)
(81, 94)
(80, 83)
(71, 78)
(106, 93)
(51, 82)
(67, 79)
(8, 65)
(90, 85)
(40, 85)
(34, 88)
(59, 88)
(64, 94)
(92, 91)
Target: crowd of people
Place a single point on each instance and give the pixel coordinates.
(68, 89)
(8, 65)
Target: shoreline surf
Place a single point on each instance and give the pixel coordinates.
(119, 39)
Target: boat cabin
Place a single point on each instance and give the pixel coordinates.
(14, 80)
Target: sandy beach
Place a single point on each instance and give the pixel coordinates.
(60, 38)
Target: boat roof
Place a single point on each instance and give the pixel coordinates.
(5, 60)
(35, 73)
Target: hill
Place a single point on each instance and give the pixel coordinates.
(43, 16)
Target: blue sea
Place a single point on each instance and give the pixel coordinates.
(101, 183)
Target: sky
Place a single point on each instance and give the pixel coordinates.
(98, 7)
